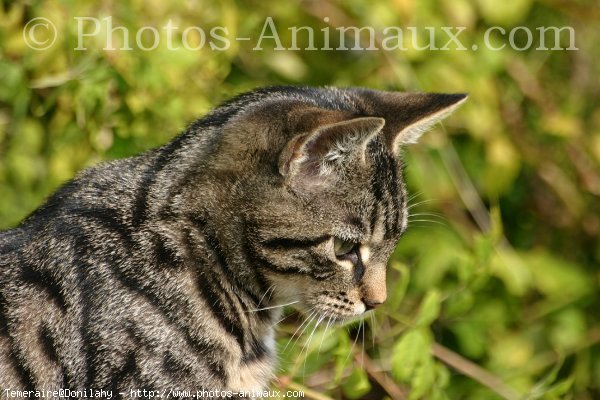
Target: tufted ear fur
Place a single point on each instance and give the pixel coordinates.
(312, 158)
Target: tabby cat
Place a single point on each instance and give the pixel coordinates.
(165, 270)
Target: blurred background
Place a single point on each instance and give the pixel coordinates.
(494, 286)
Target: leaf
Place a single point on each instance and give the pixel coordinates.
(423, 379)
(502, 167)
(430, 308)
(432, 266)
(561, 388)
(357, 384)
(410, 352)
(341, 354)
(568, 329)
(472, 337)
(400, 282)
(288, 64)
(511, 351)
(505, 12)
(555, 277)
(545, 389)
(509, 267)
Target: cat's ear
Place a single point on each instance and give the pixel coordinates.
(315, 156)
(434, 108)
(409, 115)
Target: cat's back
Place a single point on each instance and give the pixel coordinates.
(73, 300)
(47, 267)
(94, 209)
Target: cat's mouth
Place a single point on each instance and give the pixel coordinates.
(332, 307)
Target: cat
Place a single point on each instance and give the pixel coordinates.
(168, 269)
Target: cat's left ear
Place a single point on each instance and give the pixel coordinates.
(314, 158)
(442, 105)
(409, 115)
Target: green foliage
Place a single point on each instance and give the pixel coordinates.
(493, 291)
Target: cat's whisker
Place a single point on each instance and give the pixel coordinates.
(295, 332)
(306, 339)
(413, 196)
(428, 217)
(275, 306)
(427, 214)
(324, 334)
(373, 328)
(419, 218)
(435, 221)
(411, 221)
(281, 320)
(314, 315)
(411, 206)
(313, 311)
(362, 354)
(352, 348)
(270, 289)
(309, 342)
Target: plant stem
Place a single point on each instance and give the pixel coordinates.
(474, 371)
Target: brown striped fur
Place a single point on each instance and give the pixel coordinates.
(144, 272)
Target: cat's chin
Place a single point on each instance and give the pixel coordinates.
(345, 320)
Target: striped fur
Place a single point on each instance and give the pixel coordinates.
(159, 271)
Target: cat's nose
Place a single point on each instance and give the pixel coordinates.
(371, 304)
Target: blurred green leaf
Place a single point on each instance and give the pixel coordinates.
(356, 385)
(430, 308)
(409, 352)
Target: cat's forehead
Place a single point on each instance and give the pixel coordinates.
(369, 204)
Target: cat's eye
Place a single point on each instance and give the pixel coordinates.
(342, 247)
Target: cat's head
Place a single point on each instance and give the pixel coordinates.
(324, 202)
